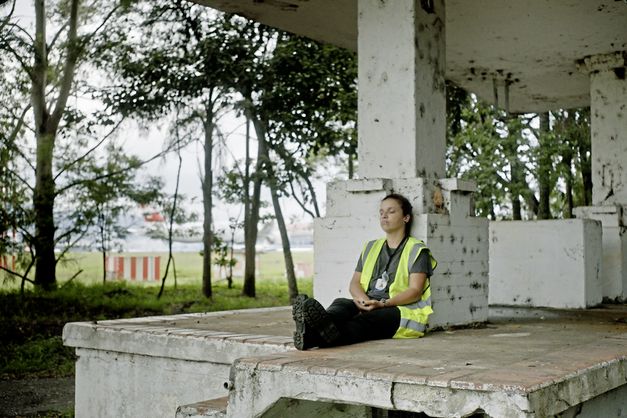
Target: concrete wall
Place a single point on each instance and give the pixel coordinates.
(442, 210)
(113, 384)
(553, 263)
(614, 221)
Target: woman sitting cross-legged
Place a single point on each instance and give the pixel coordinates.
(390, 289)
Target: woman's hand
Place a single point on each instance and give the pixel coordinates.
(368, 304)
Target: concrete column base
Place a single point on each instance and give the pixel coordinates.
(614, 221)
(443, 218)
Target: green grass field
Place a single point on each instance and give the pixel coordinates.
(271, 266)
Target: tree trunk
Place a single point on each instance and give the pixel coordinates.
(207, 188)
(103, 245)
(43, 199)
(247, 228)
(287, 252)
(251, 252)
(568, 179)
(46, 126)
(351, 168)
(516, 188)
(492, 212)
(517, 184)
(312, 193)
(544, 168)
(171, 220)
(516, 209)
(586, 174)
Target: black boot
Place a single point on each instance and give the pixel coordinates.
(316, 318)
(305, 336)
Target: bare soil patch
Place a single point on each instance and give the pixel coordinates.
(39, 397)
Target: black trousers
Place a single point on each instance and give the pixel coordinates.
(356, 326)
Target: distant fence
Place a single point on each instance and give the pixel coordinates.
(133, 268)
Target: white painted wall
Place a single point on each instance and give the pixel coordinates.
(553, 263)
(118, 385)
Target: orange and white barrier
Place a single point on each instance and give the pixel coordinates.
(133, 268)
(8, 262)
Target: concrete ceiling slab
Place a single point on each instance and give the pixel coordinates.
(531, 46)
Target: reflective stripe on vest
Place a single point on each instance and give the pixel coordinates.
(416, 326)
(414, 316)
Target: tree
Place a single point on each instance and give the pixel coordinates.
(112, 190)
(205, 63)
(518, 160)
(52, 77)
(302, 103)
(572, 134)
(178, 72)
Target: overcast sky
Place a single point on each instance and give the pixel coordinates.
(146, 143)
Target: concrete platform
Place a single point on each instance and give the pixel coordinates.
(542, 363)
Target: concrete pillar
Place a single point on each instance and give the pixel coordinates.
(402, 142)
(402, 97)
(608, 108)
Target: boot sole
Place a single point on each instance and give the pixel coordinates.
(316, 317)
(299, 319)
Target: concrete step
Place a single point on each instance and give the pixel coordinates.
(212, 408)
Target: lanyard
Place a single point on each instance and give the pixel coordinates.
(400, 246)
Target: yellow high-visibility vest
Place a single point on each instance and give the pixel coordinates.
(415, 316)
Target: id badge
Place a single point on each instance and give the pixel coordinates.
(382, 281)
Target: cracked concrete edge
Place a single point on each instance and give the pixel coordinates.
(417, 394)
(179, 317)
(185, 344)
(555, 397)
(385, 394)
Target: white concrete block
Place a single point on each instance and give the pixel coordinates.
(362, 200)
(418, 191)
(609, 215)
(458, 241)
(367, 185)
(338, 243)
(457, 199)
(459, 205)
(455, 184)
(614, 274)
(554, 263)
(462, 254)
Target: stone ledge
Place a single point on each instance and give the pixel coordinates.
(540, 367)
(195, 337)
(455, 184)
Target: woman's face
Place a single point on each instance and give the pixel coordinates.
(391, 216)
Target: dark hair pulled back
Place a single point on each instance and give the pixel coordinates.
(406, 207)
